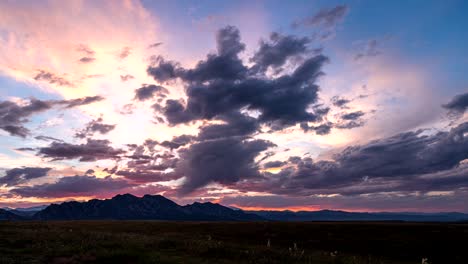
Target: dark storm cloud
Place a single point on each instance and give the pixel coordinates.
(87, 59)
(126, 77)
(282, 101)
(72, 186)
(17, 176)
(92, 150)
(93, 127)
(222, 84)
(458, 105)
(411, 161)
(149, 91)
(326, 17)
(52, 78)
(223, 161)
(278, 50)
(225, 65)
(236, 124)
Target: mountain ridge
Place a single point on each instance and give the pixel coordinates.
(158, 207)
(148, 207)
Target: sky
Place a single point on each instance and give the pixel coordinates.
(272, 105)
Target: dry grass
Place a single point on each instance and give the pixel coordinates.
(262, 242)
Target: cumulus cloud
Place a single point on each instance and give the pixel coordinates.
(222, 84)
(92, 150)
(21, 175)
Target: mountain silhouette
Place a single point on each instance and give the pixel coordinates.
(7, 215)
(148, 207)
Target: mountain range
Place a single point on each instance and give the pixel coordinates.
(157, 207)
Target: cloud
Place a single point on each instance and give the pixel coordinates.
(93, 127)
(162, 70)
(274, 164)
(177, 141)
(155, 45)
(81, 101)
(52, 78)
(339, 101)
(371, 49)
(126, 51)
(72, 186)
(149, 91)
(21, 175)
(352, 115)
(87, 59)
(126, 77)
(235, 125)
(223, 161)
(13, 116)
(326, 17)
(221, 84)
(457, 106)
(85, 49)
(278, 50)
(47, 138)
(411, 161)
(92, 150)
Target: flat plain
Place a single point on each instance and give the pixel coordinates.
(232, 242)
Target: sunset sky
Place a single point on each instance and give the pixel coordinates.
(300, 105)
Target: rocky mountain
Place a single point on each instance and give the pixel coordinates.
(148, 207)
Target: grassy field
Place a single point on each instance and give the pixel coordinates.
(262, 242)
